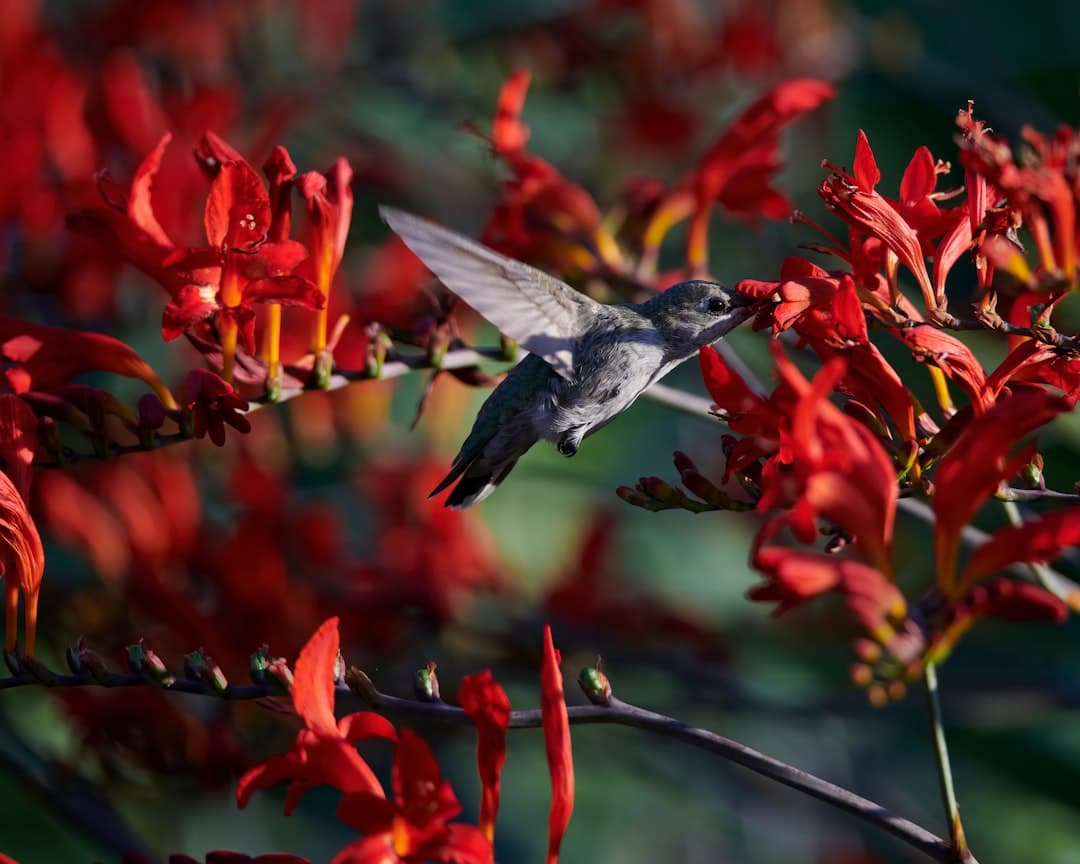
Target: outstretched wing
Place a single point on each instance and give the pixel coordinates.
(543, 314)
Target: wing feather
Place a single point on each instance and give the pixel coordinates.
(543, 314)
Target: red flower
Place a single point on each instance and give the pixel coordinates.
(486, 703)
(128, 222)
(979, 460)
(738, 169)
(793, 577)
(542, 217)
(929, 344)
(238, 267)
(413, 828)
(748, 414)
(560, 759)
(854, 200)
(329, 202)
(22, 562)
(839, 471)
(211, 403)
(323, 752)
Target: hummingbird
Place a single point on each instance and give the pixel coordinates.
(587, 362)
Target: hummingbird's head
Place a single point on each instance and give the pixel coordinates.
(693, 314)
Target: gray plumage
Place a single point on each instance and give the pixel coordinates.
(588, 361)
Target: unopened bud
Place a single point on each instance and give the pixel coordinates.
(426, 684)
(258, 663)
(867, 650)
(92, 663)
(861, 675)
(213, 675)
(279, 673)
(877, 696)
(193, 666)
(595, 685)
(358, 681)
(897, 690)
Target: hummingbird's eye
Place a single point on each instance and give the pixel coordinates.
(716, 305)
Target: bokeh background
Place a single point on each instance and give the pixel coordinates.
(322, 509)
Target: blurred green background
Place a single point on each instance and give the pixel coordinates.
(390, 86)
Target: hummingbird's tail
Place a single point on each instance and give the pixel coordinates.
(477, 480)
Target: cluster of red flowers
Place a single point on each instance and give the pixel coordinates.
(841, 472)
(415, 825)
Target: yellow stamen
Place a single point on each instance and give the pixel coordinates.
(273, 339)
(324, 263)
(11, 613)
(229, 332)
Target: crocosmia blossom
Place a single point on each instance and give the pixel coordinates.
(323, 752)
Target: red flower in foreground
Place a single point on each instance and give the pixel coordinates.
(557, 741)
(486, 703)
(323, 752)
(22, 562)
(413, 828)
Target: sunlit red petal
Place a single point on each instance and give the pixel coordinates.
(237, 208)
(313, 679)
(23, 561)
(508, 133)
(18, 440)
(560, 759)
(865, 168)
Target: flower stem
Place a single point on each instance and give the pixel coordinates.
(941, 751)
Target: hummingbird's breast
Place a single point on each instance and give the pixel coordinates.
(612, 370)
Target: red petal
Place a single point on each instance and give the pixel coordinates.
(365, 724)
(140, 209)
(313, 679)
(508, 133)
(920, 177)
(486, 703)
(237, 209)
(560, 758)
(423, 796)
(866, 170)
(1040, 540)
(190, 307)
(22, 559)
(18, 440)
(287, 290)
(979, 460)
(458, 844)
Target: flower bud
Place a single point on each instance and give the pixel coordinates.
(426, 684)
(360, 684)
(595, 685)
